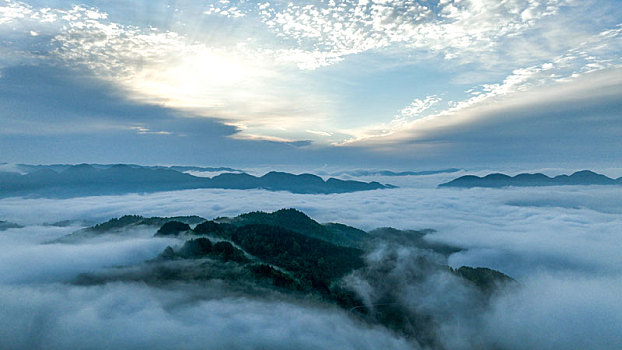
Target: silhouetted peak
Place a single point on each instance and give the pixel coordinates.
(173, 228)
(234, 176)
(278, 175)
(291, 212)
(79, 170)
(587, 174)
(121, 166)
(496, 176)
(82, 166)
(532, 176)
(195, 248)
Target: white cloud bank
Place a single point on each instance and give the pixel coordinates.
(561, 243)
(134, 316)
(516, 230)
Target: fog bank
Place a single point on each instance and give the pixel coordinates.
(560, 243)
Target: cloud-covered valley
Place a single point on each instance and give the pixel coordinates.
(560, 243)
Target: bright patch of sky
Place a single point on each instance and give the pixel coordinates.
(333, 72)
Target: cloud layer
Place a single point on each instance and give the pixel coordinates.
(498, 225)
(560, 243)
(137, 317)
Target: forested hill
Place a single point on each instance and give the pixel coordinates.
(287, 254)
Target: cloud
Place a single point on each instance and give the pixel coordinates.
(226, 11)
(255, 83)
(589, 68)
(208, 78)
(560, 243)
(421, 296)
(144, 131)
(517, 231)
(403, 119)
(558, 311)
(34, 262)
(517, 116)
(57, 114)
(34, 96)
(134, 316)
(416, 107)
(464, 30)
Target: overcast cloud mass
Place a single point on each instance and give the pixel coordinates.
(346, 82)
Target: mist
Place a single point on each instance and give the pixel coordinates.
(29, 258)
(561, 244)
(134, 316)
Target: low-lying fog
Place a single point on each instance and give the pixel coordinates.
(561, 243)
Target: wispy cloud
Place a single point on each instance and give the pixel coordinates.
(405, 117)
(143, 131)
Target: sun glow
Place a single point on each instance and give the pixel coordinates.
(201, 78)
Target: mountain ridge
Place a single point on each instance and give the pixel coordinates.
(87, 179)
(257, 253)
(498, 180)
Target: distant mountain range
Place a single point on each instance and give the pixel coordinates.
(584, 177)
(86, 179)
(396, 173)
(28, 168)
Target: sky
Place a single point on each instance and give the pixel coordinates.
(401, 84)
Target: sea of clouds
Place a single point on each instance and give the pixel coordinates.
(562, 244)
